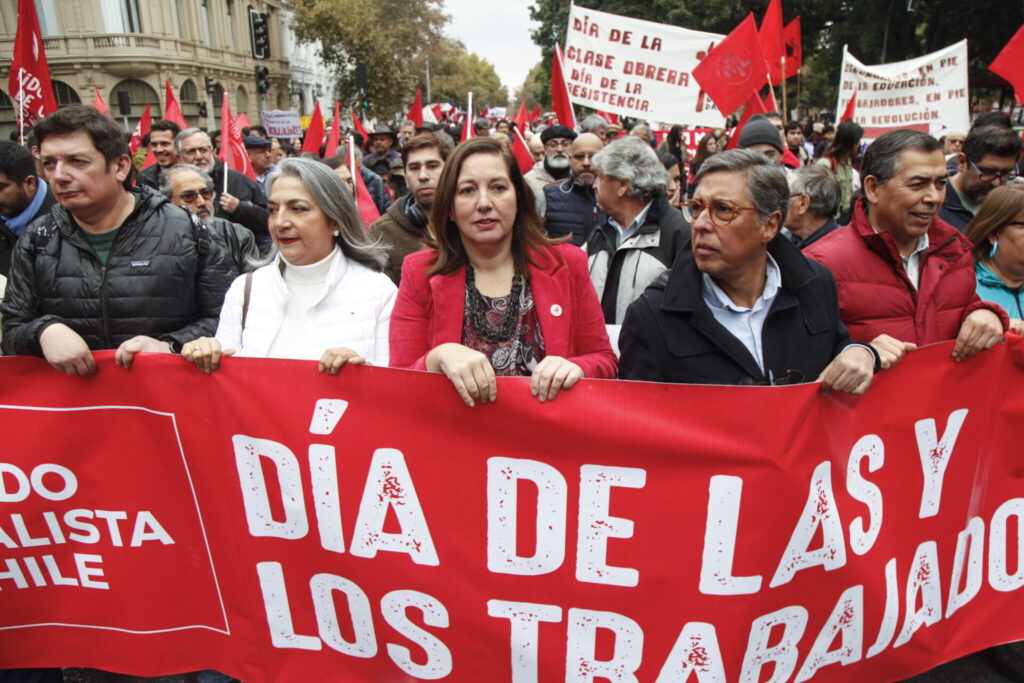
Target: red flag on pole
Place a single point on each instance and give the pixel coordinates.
(315, 133)
(141, 130)
(772, 42)
(521, 151)
(357, 126)
(172, 112)
(335, 135)
(560, 101)
(520, 119)
(242, 120)
(794, 48)
(851, 108)
(416, 111)
(534, 114)
(1009, 64)
(364, 202)
(734, 69)
(29, 79)
(437, 112)
(97, 101)
(467, 123)
(770, 101)
(610, 118)
(232, 151)
(754, 106)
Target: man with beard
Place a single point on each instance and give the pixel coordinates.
(161, 143)
(191, 188)
(989, 159)
(403, 227)
(24, 196)
(555, 164)
(570, 207)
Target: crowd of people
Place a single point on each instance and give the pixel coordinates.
(800, 255)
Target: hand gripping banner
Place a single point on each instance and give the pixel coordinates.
(278, 524)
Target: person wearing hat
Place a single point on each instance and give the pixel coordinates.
(383, 142)
(760, 135)
(260, 157)
(555, 165)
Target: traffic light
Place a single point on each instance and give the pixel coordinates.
(203, 113)
(259, 29)
(209, 84)
(262, 79)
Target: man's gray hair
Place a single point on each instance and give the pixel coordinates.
(631, 159)
(187, 133)
(165, 177)
(593, 123)
(820, 185)
(766, 182)
(332, 197)
(641, 130)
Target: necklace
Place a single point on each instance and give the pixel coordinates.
(477, 307)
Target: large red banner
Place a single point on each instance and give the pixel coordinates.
(279, 524)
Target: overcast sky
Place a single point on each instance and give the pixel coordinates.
(499, 32)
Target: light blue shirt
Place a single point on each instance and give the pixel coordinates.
(743, 323)
(623, 235)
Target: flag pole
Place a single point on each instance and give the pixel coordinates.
(21, 114)
(785, 105)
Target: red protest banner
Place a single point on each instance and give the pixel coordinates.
(276, 523)
(28, 80)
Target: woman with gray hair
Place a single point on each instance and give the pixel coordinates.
(321, 294)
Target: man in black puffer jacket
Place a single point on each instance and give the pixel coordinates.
(570, 207)
(111, 267)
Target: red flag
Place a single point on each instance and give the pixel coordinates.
(367, 207)
(29, 78)
(232, 151)
(416, 111)
(754, 106)
(793, 47)
(734, 69)
(97, 102)
(1009, 64)
(467, 122)
(357, 126)
(851, 108)
(772, 42)
(521, 151)
(610, 118)
(534, 114)
(314, 139)
(172, 112)
(335, 136)
(560, 101)
(141, 130)
(770, 101)
(438, 113)
(243, 121)
(520, 119)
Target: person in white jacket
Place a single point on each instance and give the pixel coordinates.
(321, 296)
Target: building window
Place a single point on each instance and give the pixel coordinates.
(47, 18)
(65, 94)
(121, 16)
(241, 100)
(139, 95)
(176, 19)
(204, 11)
(231, 24)
(189, 93)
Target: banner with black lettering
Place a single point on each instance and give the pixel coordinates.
(276, 524)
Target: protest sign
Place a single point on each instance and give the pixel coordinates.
(282, 124)
(637, 68)
(276, 523)
(928, 93)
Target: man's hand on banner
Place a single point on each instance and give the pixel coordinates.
(980, 331)
(851, 371)
(891, 350)
(66, 351)
(125, 355)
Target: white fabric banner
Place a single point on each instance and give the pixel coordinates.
(282, 124)
(637, 68)
(928, 93)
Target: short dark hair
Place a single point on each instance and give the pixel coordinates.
(994, 140)
(164, 124)
(993, 118)
(107, 137)
(16, 162)
(793, 125)
(423, 141)
(881, 160)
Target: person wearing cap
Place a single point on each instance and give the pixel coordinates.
(382, 150)
(554, 166)
(760, 135)
(260, 157)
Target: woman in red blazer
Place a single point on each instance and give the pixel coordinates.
(496, 297)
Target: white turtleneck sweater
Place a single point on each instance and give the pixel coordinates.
(305, 288)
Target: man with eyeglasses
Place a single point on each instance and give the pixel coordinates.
(555, 164)
(570, 207)
(989, 159)
(191, 188)
(243, 202)
(905, 276)
(742, 306)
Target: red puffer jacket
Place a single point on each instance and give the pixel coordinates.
(875, 295)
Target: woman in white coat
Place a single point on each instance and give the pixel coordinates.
(322, 295)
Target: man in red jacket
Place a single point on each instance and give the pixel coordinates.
(905, 276)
